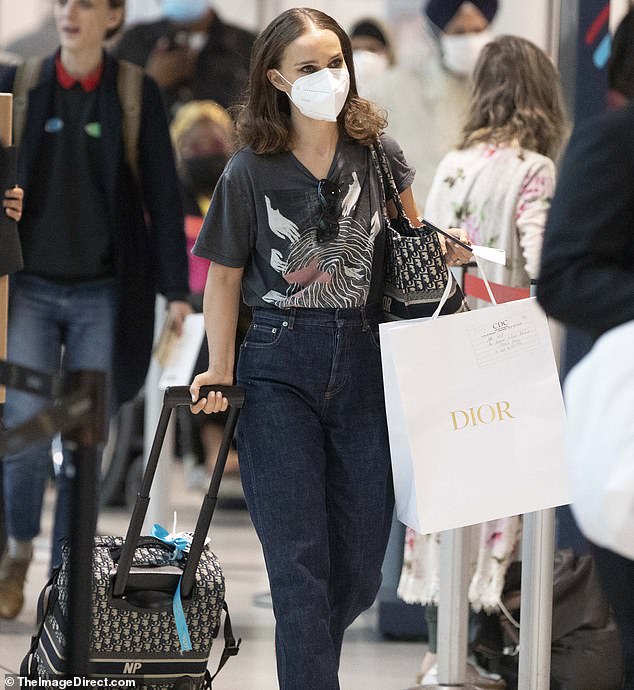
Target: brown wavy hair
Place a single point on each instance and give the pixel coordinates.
(264, 121)
(516, 96)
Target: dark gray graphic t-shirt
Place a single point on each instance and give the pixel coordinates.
(264, 215)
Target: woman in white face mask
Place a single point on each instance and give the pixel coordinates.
(372, 51)
(295, 223)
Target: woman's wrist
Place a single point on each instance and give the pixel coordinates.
(219, 373)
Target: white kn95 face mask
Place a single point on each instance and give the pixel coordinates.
(320, 95)
(460, 52)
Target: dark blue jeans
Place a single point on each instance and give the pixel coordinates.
(50, 325)
(315, 466)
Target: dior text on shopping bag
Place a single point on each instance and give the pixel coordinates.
(475, 416)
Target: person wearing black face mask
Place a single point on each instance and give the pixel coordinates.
(202, 171)
(202, 134)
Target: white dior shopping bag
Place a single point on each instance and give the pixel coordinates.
(475, 416)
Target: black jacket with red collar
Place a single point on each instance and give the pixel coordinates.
(146, 213)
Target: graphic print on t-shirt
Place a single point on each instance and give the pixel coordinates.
(333, 274)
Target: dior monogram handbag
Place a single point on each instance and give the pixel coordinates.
(418, 282)
(157, 601)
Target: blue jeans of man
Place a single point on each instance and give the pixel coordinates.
(51, 326)
(315, 466)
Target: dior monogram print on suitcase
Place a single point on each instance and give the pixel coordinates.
(156, 606)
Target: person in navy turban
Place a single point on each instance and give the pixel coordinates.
(463, 30)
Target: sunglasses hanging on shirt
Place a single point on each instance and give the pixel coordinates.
(328, 195)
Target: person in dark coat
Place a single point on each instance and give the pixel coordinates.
(587, 281)
(621, 64)
(191, 54)
(98, 241)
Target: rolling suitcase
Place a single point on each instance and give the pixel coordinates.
(157, 602)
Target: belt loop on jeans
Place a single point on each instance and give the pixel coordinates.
(364, 319)
(292, 312)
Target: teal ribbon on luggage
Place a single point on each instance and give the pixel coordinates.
(179, 618)
(179, 544)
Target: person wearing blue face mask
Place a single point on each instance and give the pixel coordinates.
(190, 53)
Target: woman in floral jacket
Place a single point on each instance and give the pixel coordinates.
(497, 185)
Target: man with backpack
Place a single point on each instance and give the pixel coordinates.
(101, 232)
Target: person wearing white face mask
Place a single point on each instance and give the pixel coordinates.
(372, 51)
(460, 29)
(426, 103)
(381, 79)
(464, 30)
(191, 53)
(320, 95)
(296, 226)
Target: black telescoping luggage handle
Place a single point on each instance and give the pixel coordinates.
(176, 396)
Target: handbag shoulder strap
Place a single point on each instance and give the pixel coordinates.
(390, 189)
(374, 154)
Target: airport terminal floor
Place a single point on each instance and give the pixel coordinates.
(369, 662)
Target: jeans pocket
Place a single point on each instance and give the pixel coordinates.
(373, 330)
(263, 335)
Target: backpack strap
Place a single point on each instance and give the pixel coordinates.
(27, 75)
(130, 90)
